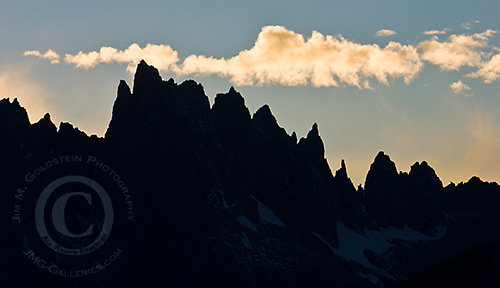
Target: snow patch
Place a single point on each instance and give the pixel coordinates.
(370, 277)
(323, 240)
(352, 244)
(224, 203)
(267, 215)
(246, 240)
(247, 223)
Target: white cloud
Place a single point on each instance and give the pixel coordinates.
(385, 32)
(162, 56)
(436, 32)
(284, 57)
(456, 51)
(460, 88)
(50, 55)
(490, 71)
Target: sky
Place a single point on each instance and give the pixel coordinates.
(418, 80)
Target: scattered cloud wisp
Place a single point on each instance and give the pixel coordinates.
(490, 71)
(460, 88)
(385, 32)
(436, 32)
(457, 51)
(50, 55)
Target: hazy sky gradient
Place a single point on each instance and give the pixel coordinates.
(416, 79)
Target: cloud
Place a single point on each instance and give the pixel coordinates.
(162, 56)
(281, 56)
(284, 57)
(50, 55)
(468, 25)
(385, 32)
(436, 32)
(456, 51)
(490, 71)
(460, 88)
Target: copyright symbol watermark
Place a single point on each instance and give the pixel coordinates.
(58, 215)
(66, 210)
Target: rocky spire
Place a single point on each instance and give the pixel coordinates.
(147, 80)
(312, 145)
(230, 108)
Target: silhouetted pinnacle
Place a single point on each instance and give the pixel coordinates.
(230, 107)
(265, 116)
(342, 172)
(123, 89)
(312, 144)
(147, 79)
(382, 173)
(314, 131)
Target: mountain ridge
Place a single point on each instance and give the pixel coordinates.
(246, 203)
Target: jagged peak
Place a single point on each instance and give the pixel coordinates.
(15, 102)
(423, 174)
(123, 89)
(191, 86)
(314, 131)
(313, 143)
(475, 180)
(423, 169)
(342, 172)
(171, 81)
(14, 112)
(232, 90)
(384, 160)
(264, 115)
(230, 106)
(45, 124)
(66, 126)
(382, 169)
(146, 78)
(294, 137)
(46, 119)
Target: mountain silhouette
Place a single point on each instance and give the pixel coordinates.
(180, 193)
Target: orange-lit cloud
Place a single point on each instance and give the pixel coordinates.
(281, 56)
(490, 71)
(162, 56)
(460, 88)
(50, 55)
(284, 57)
(385, 32)
(456, 51)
